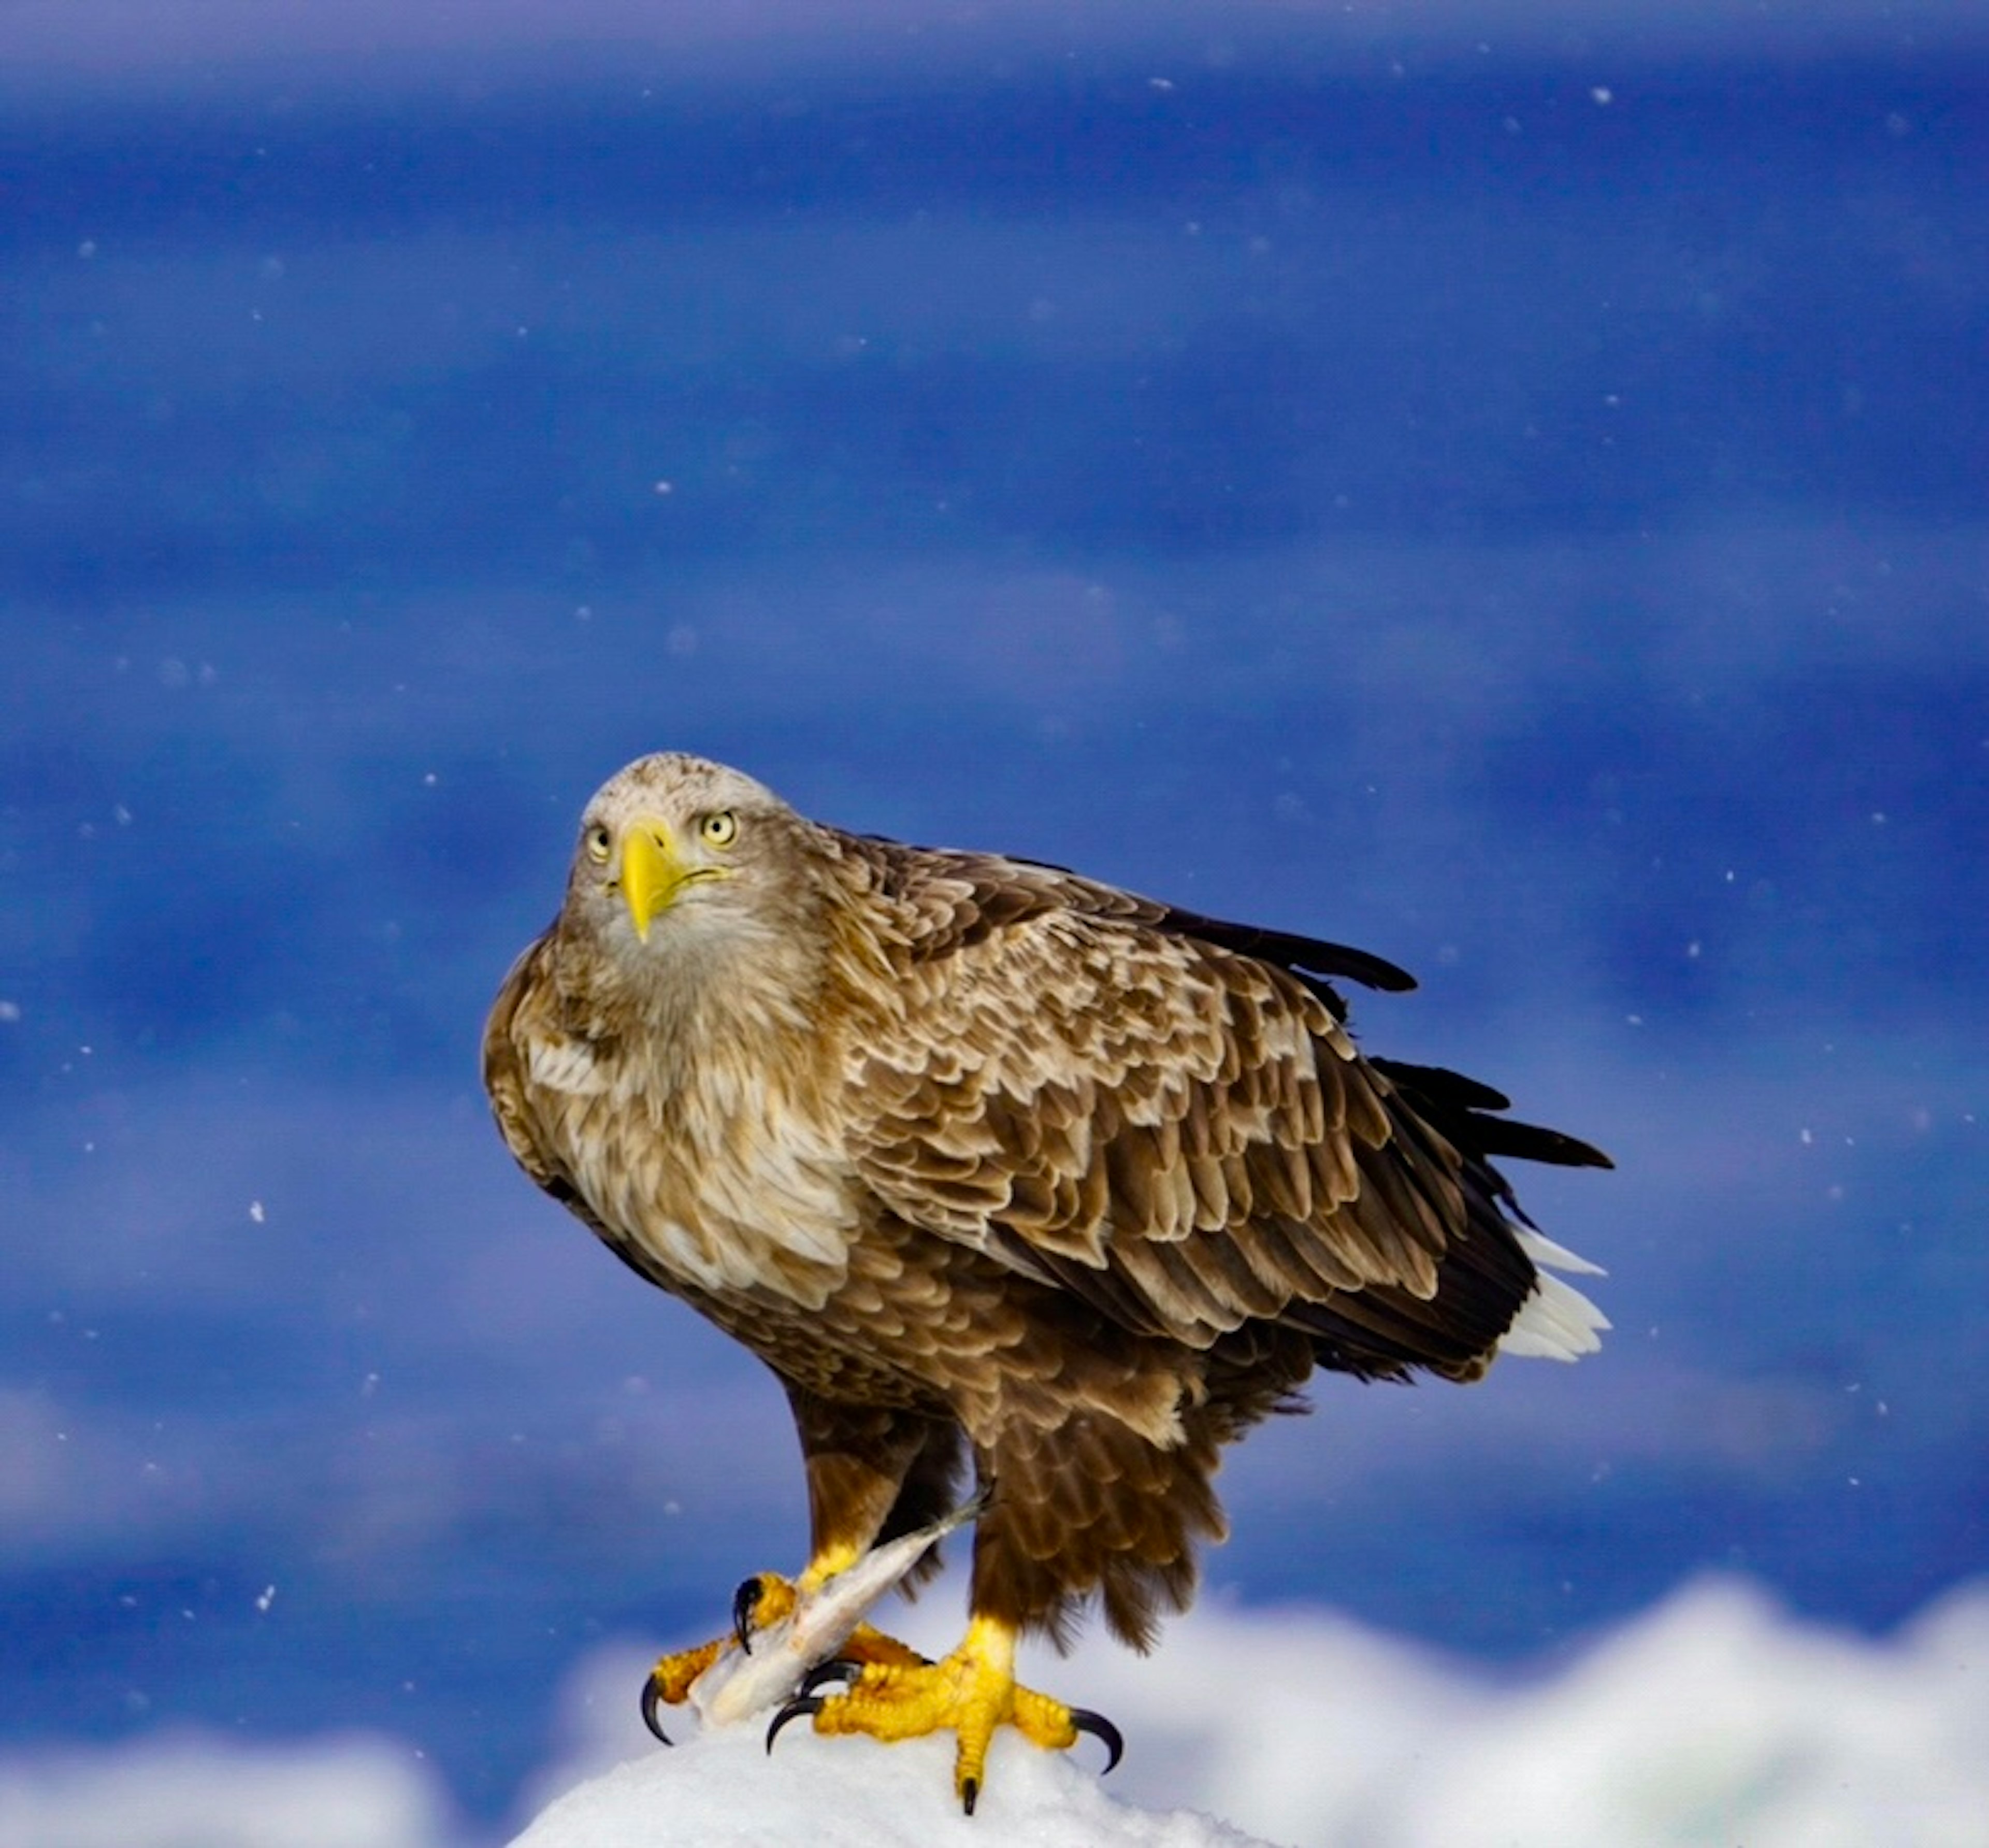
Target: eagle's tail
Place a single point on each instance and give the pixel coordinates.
(1510, 1259)
(1556, 1322)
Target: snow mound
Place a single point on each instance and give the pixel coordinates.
(722, 1788)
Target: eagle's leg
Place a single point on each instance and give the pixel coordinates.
(969, 1693)
(1104, 1509)
(894, 1694)
(874, 1472)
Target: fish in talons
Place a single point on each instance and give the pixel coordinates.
(781, 1632)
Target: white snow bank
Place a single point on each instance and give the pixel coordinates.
(1714, 1720)
(178, 1789)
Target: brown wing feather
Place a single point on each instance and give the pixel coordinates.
(507, 1083)
(504, 1076)
(979, 893)
(1129, 1102)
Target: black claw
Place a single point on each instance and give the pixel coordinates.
(969, 1788)
(652, 1698)
(837, 1668)
(745, 1601)
(1099, 1727)
(799, 1705)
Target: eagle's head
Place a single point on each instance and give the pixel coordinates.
(689, 873)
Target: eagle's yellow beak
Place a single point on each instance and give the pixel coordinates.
(651, 873)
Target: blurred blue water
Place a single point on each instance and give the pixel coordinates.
(1523, 515)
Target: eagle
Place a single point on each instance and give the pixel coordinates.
(1002, 1169)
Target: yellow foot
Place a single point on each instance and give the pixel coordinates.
(970, 1694)
(669, 1681)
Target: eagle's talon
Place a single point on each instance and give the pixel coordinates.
(653, 1697)
(761, 1603)
(745, 1601)
(801, 1704)
(969, 1788)
(837, 1668)
(1101, 1728)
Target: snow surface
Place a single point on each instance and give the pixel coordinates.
(723, 1790)
(1712, 1720)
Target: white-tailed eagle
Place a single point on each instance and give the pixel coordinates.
(995, 1164)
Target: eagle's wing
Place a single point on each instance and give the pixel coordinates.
(1163, 1114)
(523, 1017)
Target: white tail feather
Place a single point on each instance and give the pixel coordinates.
(1557, 1322)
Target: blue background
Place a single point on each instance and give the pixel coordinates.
(1513, 499)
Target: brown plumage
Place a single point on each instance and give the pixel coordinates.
(987, 1160)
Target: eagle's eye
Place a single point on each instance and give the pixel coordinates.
(719, 830)
(599, 843)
